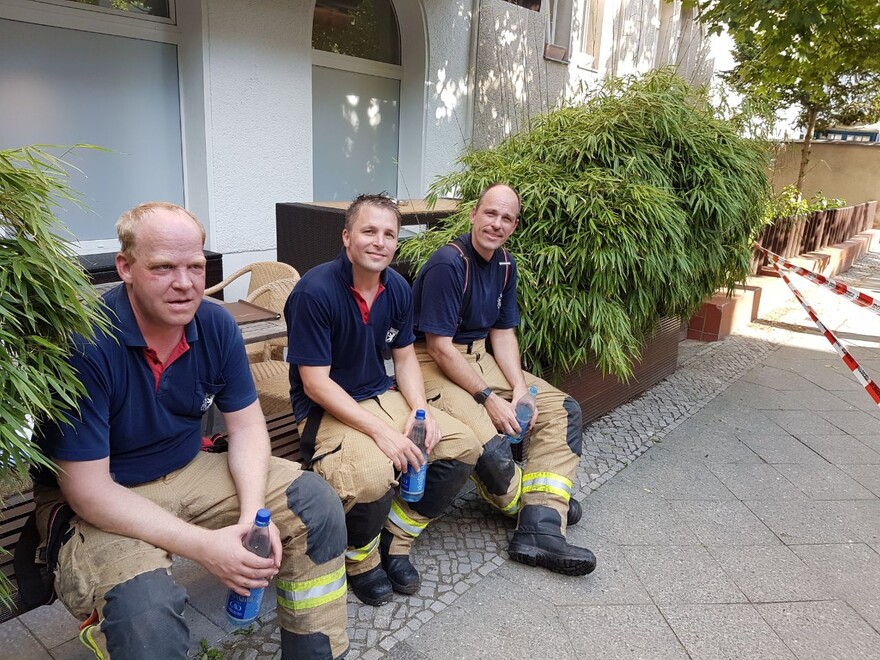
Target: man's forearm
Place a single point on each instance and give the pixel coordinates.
(102, 502)
(505, 350)
(409, 378)
(454, 365)
(248, 456)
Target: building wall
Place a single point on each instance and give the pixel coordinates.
(448, 86)
(245, 84)
(847, 170)
(258, 82)
(258, 89)
(514, 81)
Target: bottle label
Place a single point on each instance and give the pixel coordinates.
(243, 610)
(412, 483)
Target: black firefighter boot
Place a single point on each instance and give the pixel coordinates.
(538, 541)
(574, 513)
(403, 575)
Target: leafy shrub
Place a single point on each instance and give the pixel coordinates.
(790, 202)
(637, 204)
(44, 297)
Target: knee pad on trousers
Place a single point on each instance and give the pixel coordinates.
(442, 483)
(366, 520)
(575, 426)
(318, 506)
(309, 646)
(143, 618)
(495, 469)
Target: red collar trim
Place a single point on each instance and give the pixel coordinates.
(363, 307)
(155, 363)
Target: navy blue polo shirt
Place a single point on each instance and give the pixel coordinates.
(149, 431)
(438, 294)
(327, 326)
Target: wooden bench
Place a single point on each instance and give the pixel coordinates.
(283, 433)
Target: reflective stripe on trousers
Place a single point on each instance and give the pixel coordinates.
(404, 522)
(309, 594)
(511, 509)
(359, 554)
(547, 482)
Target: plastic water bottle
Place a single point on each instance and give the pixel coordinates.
(242, 610)
(412, 483)
(525, 408)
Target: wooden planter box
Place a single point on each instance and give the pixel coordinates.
(791, 237)
(598, 394)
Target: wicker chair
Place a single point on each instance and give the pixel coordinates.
(273, 386)
(272, 295)
(262, 272)
(270, 284)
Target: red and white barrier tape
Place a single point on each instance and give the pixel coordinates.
(841, 289)
(864, 380)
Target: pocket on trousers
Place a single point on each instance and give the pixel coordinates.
(336, 472)
(74, 579)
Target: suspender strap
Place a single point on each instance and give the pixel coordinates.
(461, 246)
(309, 435)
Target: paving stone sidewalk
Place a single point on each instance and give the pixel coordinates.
(469, 542)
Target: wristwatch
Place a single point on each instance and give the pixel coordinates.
(481, 396)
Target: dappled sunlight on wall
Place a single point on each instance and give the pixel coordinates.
(513, 80)
(636, 24)
(450, 92)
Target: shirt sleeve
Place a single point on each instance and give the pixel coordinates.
(85, 435)
(238, 389)
(405, 335)
(309, 325)
(441, 300)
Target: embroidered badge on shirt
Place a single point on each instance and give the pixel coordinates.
(209, 399)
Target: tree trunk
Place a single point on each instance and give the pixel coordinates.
(812, 114)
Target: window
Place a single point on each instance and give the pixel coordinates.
(534, 5)
(71, 86)
(360, 28)
(142, 8)
(592, 12)
(558, 36)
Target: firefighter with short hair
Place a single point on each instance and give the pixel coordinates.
(344, 318)
(465, 295)
(131, 469)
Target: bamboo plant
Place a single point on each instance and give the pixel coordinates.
(636, 204)
(45, 296)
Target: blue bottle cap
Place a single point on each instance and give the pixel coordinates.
(533, 390)
(420, 414)
(262, 519)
